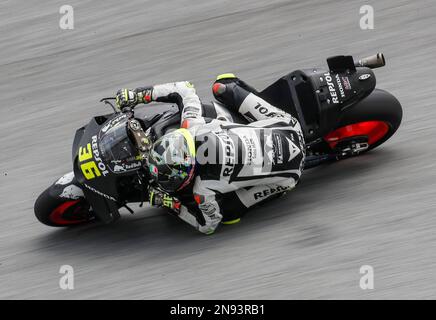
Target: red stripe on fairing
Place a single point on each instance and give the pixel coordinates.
(374, 130)
(57, 214)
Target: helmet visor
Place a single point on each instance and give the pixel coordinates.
(172, 160)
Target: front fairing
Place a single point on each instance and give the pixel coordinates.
(91, 172)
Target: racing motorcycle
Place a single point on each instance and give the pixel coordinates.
(341, 112)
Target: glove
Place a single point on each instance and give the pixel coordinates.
(206, 230)
(130, 98)
(126, 98)
(161, 199)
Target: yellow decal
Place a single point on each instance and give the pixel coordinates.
(90, 170)
(85, 154)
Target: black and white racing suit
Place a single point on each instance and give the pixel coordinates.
(238, 165)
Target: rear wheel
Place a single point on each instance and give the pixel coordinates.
(367, 124)
(61, 212)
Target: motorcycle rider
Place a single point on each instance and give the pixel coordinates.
(227, 167)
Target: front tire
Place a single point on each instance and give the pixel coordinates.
(63, 204)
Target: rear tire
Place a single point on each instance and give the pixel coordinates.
(381, 106)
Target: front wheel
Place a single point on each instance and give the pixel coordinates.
(62, 205)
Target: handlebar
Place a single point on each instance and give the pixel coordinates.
(124, 110)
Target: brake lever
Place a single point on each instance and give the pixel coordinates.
(127, 110)
(105, 100)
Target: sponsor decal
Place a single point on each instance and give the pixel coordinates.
(277, 149)
(72, 192)
(124, 167)
(208, 209)
(340, 87)
(118, 168)
(293, 149)
(293, 121)
(229, 153)
(191, 112)
(364, 76)
(99, 192)
(331, 87)
(97, 158)
(270, 191)
(250, 148)
(90, 168)
(266, 112)
(346, 82)
(113, 123)
(65, 179)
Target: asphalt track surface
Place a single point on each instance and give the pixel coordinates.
(377, 209)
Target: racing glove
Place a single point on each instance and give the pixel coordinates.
(126, 98)
(130, 98)
(159, 198)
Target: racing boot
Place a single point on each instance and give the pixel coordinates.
(230, 90)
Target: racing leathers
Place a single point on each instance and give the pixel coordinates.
(237, 165)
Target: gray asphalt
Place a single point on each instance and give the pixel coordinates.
(377, 209)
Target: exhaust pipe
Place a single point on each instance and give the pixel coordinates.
(375, 61)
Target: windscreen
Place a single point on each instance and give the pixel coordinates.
(118, 151)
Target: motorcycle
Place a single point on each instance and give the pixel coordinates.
(341, 113)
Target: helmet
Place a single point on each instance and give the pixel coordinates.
(172, 160)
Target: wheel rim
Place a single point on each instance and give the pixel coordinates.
(69, 212)
(373, 130)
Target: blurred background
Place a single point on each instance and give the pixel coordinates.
(377, 209)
